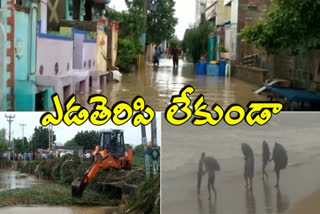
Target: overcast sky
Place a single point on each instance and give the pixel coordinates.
(185, 12)
(132, 135)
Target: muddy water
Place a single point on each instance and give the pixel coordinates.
(12, 179)
(158, 85)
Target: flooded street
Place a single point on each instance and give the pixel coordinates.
(10, 179)
(158, 85)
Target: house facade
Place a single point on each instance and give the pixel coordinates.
(53, 46)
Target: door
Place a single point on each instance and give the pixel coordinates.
(78, 50)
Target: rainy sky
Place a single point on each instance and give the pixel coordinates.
(64, 133)
(185, 12)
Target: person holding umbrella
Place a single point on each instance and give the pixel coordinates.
(200, 171)
(265, 158)
(280, 158)
(248, 164)
(211, 165)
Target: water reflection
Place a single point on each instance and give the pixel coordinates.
(282, 202)
(12, 179)
(250, 202)
(213, 206)
(267, 197)
(200, 206)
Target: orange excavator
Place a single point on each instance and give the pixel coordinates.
(109, 153)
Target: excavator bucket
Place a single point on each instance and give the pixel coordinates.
(77, 187)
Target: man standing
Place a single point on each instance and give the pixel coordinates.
(175, 57)
(200, 171)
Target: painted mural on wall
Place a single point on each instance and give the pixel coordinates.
(102, 42)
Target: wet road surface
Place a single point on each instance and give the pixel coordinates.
(158, 85)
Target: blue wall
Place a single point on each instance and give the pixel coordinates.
(25, 59)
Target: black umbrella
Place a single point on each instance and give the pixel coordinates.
(265, 152)
(211, 164)
(280, 156)
(246, 150)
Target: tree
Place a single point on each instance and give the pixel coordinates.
(289, 24)
(40, 138)
(87, 139)
(20, 145)
(3, 142)
(160, 20)
(195, 41)
(175, 42)
(71, 143)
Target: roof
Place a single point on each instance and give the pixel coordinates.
(110, 130)
(70, 147)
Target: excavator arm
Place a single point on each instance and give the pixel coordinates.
(108, 161)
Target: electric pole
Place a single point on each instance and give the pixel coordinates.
(146, 156)
(22, 127)
(154, 145)
(50, 137)
(10, 120)
(145, 15)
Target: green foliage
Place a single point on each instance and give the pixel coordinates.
(195, 42)
(130, 24)
(138, 155)
(71, 143)
(52, 194)
(291, 24)
(175, 42)
(3, 142)
(40, 138)
(148, 198)
(160, 22)
(21, 145)
(87, 139)
(128, 51)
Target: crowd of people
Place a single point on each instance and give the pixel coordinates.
(27, 156)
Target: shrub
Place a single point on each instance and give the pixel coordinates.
(128, 50)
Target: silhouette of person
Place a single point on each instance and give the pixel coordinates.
(265, 158)
(200, 171)
(248, 164)
(280, 158)
(212, 165)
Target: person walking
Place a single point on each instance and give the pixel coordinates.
(200, 171)
(175, 57)
(265, 158)
(248, 165)
(280, 158)
(212, 165)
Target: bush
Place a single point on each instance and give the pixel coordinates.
(128, 51)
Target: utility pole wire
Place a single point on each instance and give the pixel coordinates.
(10, 120)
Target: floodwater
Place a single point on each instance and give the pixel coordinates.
(10, 179)
(182, 147)
(158, 85)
